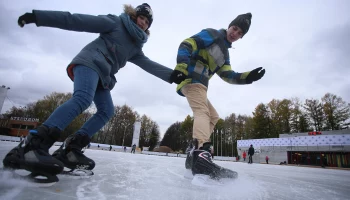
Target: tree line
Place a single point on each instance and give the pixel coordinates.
(269, 120)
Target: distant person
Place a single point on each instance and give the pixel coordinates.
(250, 154)
(110, 147)
(120, 39)
(133, 148)
(124, 148)
(267, 159)
(283, 163)
(244, 155)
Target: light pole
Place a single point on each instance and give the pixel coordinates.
(124, 136)
(217, 143)
(232, 146)
(221, 143)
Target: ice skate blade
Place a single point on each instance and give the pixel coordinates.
(188, 174)
(82, 173)
(29, 180)
(205, 181)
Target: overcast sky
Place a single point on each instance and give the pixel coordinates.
(303, 45)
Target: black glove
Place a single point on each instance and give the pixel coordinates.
(177, 77)
(255, 75)
(27, 18)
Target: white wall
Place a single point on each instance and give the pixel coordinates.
(318, 140)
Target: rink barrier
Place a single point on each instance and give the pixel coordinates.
(18, 139)
(97, 146)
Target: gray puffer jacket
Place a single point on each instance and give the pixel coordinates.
(110, 51)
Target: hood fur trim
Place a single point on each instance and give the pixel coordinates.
(128, 9)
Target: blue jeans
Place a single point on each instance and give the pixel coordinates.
(86, 90)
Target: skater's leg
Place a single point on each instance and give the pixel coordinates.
(40, 140)
(214, 117)
(196, 95)
(73, 145)
(85, 84)
(105, 111)
(197, 99)
(205, 118)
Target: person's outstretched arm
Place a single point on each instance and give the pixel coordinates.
(68, 21)
(232, 77)
(152, 67)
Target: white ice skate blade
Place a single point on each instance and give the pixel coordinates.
(188, 174)
(78, 173)
(205, 181)
(20, 178)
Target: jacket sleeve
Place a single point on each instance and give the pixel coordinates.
(230, 76)
(190, 47)
(75, 22)
(152, 67)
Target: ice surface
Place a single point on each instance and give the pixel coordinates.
(120, 175)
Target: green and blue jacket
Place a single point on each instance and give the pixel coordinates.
(205, 54)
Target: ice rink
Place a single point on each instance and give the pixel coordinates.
(128, 176)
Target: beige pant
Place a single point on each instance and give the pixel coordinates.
(205, 115)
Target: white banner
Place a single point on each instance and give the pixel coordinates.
(136, 134)
(3, 94)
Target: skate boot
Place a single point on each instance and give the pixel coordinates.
(204, 165)
(32, 154)
(189, 151)
(71, 155)
(189, 159)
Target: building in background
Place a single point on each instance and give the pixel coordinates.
(329, 148)
(17, 126)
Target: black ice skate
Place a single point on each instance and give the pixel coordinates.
(71, 155)
(189, 159)
(204, 165)
(32, 154)
(189, 151)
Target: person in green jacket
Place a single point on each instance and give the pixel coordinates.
(199, 58)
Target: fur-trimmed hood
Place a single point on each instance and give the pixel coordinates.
(130, 10)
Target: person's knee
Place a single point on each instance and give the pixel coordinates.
(201, 111)
(214, 118)
(83, 99)
(107, 111)
(110, 112)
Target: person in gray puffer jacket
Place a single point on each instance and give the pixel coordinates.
(120, 40)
